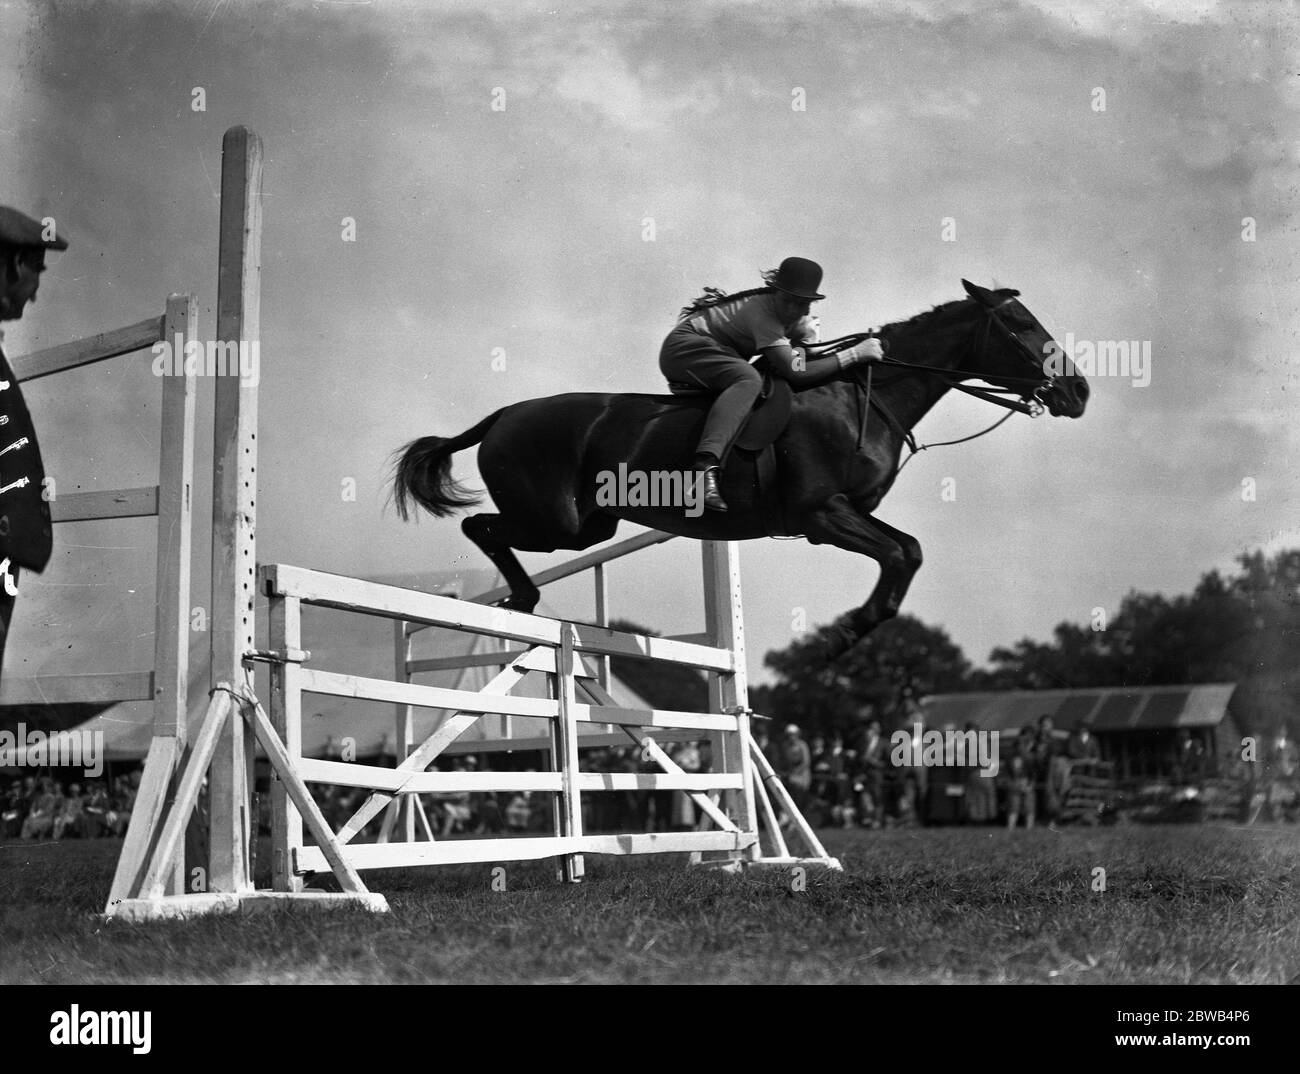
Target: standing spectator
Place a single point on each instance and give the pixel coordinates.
(828, 776)
(763, 740)
(687, 756)
(655, 807)
(1082, 746)
(26, 534)
(796, 767)
(1047, 773)
(981, 796)
(873, 758)
(1021, 782)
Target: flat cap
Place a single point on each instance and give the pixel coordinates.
(19, 229)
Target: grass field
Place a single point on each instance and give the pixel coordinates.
(1182, 904)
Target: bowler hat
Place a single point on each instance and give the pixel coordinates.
(799, 277)
(19, 229)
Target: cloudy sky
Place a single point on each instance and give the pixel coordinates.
(523, 229)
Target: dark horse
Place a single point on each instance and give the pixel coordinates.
(542, 459)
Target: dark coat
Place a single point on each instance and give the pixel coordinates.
(26, 533)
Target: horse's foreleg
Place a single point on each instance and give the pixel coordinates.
(898, 554)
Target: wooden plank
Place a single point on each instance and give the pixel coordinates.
(285, 625)
(602, 618)
(334, 684)
(175, 503)
(142, 832)
(234, 492)
(724, 622)
(657, 781)
(392, 780)
(690, 721)
(595, 639)
(363, 856)
(106, 689)
(190, 906)
(773, 782)
(469, 660)
(96, 348)
(306, 805)
(404, 716)
(566, 751)
(111, 503)
(769, 816)
(187, 794)
(393, 602)
(581, 563)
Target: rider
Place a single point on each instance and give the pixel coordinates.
(717, 335)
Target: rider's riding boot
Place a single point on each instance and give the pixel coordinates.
(712, 497)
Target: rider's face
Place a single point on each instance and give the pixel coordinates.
(792, 307)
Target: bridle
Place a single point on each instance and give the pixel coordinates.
(1030, 390)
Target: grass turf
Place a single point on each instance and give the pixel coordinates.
(1182, 904)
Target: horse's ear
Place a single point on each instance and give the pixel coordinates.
(978, 293)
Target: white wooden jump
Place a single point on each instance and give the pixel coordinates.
(736, 799)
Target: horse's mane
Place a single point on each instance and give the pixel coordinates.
(922, 319)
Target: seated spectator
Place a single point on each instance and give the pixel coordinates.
(69, 816)
(13, 809)
(44, 808)
(119, 817)
(94, 810)
(455, 804)
(519, 811)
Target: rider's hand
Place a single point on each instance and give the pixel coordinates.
(869, 350)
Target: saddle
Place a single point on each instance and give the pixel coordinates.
(754, 448)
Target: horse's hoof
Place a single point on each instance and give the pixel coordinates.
(518, 604)
(838, 641)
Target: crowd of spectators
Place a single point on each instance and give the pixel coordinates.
(42, 807)
(841, 784)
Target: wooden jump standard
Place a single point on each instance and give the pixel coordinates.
(735, 799)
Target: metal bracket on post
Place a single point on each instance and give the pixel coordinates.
(278, 656)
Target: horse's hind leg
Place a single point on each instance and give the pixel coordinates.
(496, 538)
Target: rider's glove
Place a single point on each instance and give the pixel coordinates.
(868, 350)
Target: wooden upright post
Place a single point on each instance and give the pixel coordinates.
(234, 496)
(729, 691)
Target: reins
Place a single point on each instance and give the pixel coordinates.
(1030, 405)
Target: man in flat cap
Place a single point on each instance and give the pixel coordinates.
(26, 535)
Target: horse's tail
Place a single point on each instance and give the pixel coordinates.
(424, 472)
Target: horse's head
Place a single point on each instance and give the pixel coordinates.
(1012, 349)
